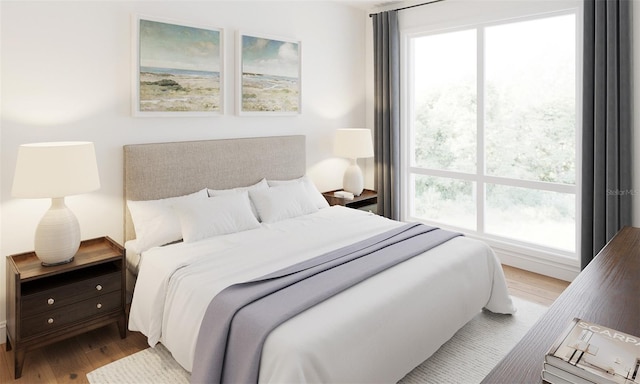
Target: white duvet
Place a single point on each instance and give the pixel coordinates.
(376, 331)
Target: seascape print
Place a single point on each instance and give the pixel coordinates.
(179, 68)
(270, 75)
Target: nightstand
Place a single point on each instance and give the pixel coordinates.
(48, 304)
(366, 201)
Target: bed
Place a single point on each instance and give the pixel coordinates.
(375, 331)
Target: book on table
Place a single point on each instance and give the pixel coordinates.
(549, 377)
(555, 375)
(591, 353)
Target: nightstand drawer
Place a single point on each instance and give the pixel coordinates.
(72, 292)
(64, 315)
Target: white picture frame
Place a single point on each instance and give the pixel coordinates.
(178, 68)
(268, 75)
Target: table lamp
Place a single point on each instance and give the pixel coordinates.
(353, 143)
(55, 170)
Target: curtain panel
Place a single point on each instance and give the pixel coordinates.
(606, 121)
(386, 41)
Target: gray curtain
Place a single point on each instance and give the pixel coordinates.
(606, 140)
(386, 41)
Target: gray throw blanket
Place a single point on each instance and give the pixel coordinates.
(226, 354)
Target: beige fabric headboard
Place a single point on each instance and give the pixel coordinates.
(160, 170)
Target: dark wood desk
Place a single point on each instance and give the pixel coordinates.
(607, 292)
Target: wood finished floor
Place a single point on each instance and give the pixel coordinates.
(70, 360)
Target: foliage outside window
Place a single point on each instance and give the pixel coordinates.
(492, 130)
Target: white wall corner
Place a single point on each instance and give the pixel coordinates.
(3, 332)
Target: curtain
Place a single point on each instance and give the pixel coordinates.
(386, 41)
(606, 139)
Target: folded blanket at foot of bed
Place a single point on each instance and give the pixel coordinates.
(239, 319)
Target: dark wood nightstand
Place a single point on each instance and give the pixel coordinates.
(48, 304)
(366, 201)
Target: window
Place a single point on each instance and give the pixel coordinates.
(491, 131)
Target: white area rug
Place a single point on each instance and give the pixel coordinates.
(477, 348)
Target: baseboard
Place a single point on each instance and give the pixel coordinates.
(547, 267)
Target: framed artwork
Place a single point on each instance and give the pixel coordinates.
(178, 69)
(269, 74)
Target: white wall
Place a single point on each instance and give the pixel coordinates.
(66, 74)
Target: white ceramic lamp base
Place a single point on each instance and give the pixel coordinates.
(58, 234)
(353, 181)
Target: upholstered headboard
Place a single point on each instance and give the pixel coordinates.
(160, 170)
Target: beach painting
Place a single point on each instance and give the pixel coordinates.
(270, 75)
(179, 69)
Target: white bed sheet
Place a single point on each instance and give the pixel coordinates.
(133, 256)
(376, 331)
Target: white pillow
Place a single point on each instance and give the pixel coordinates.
(282, 202)
(315, 195)
(155, 221)
(215, 216)
(262, 184)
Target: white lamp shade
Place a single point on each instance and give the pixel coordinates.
(55, 169)
(353, 143)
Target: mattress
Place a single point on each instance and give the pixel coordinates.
(376, 331)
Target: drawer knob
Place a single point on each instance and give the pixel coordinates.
(50, 321)
(99, 287)
(50, 301)
(99, 306)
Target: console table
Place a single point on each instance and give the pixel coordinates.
(606, 292)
